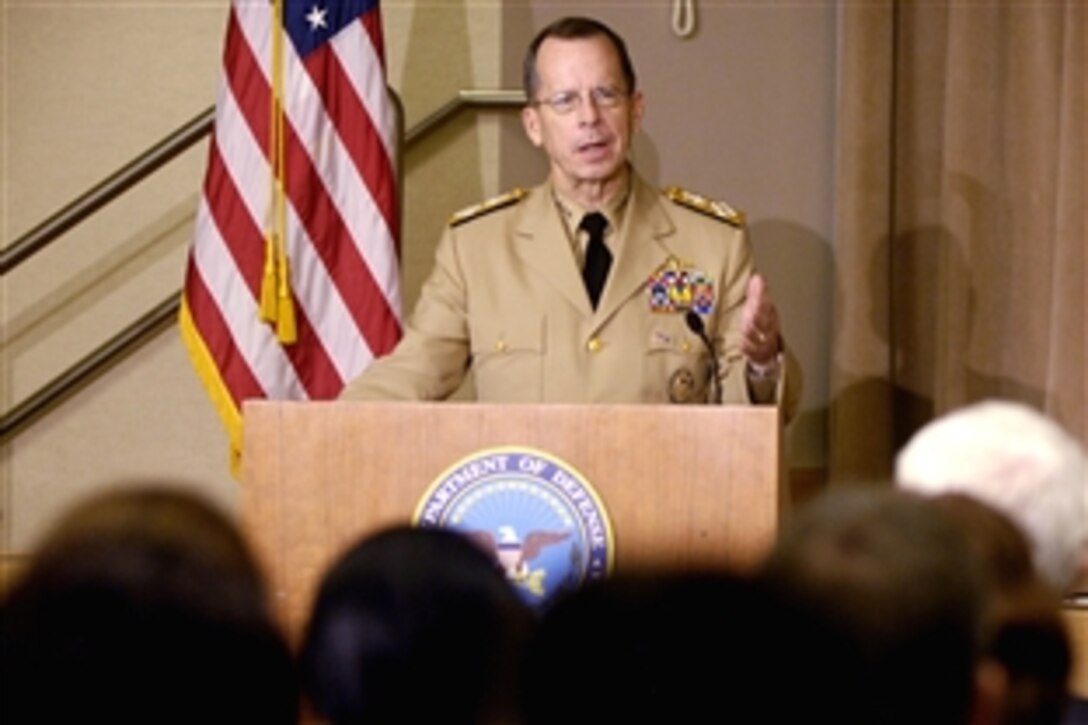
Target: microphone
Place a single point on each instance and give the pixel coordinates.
(695, 324)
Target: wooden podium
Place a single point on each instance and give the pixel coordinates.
(683, 486)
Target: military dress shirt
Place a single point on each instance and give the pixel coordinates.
(506, 302)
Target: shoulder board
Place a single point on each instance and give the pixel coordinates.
(486, 207)
(717, 209)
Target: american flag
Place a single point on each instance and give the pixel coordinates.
(292, 285)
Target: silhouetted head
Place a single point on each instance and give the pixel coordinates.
(143, 606)
(1023, 633)
(898, 586)
(670, 646)
(413, 625)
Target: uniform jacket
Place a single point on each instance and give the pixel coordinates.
(506, 301)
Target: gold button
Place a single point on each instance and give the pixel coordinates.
(594, 344)
(686, 346)
(500, 346)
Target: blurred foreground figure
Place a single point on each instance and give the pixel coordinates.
(1026, 650)
(143, 606)
(1021, 463)
(414, 625)
(897, 586)
(676, 647)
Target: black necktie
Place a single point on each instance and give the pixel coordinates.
(598, 258)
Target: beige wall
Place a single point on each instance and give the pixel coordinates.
(88, 86)
(742, 111)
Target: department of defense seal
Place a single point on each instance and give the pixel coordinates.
(538, 516)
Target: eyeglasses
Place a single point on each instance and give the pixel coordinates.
(566, 102)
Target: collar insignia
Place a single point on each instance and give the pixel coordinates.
(697, 202)
(486, 207)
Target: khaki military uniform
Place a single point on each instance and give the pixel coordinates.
(506, 301)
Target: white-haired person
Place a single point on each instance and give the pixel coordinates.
(1017, 460)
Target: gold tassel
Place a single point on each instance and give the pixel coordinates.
(286, 331)
(277, 305)
(268, 279)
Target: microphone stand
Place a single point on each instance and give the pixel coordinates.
(696, 325)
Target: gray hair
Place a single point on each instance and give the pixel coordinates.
(1018, 461)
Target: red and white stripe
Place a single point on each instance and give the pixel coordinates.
(342, 219)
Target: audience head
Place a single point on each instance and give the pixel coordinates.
(143, 605)
(672, 646)
(1021, 463)
(1026, 652)
(897, 586)
(414, 625)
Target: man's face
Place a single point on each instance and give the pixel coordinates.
(587, 144)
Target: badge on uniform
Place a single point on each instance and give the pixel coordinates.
(677, 287)
(682, 388)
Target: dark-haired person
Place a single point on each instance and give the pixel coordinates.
(414, 625)
(143, 606)
(902, 592)
(593, 286)
(677, 645)
(1026, 649)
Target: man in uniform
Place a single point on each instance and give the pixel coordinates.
(594, 286)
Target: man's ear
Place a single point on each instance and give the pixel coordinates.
(638, 109)
(530, 119)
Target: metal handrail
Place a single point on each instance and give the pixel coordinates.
(464, 99)
(106, 191)
(108, 354)
(90, 367)
(179, 141)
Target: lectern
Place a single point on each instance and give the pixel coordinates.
(682, 485)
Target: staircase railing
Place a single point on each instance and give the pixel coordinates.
(106, 191)
(164, 314)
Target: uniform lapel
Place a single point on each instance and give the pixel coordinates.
(642, 248)
(543, 244)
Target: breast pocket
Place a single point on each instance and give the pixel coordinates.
(508, 359)
(677, 366)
